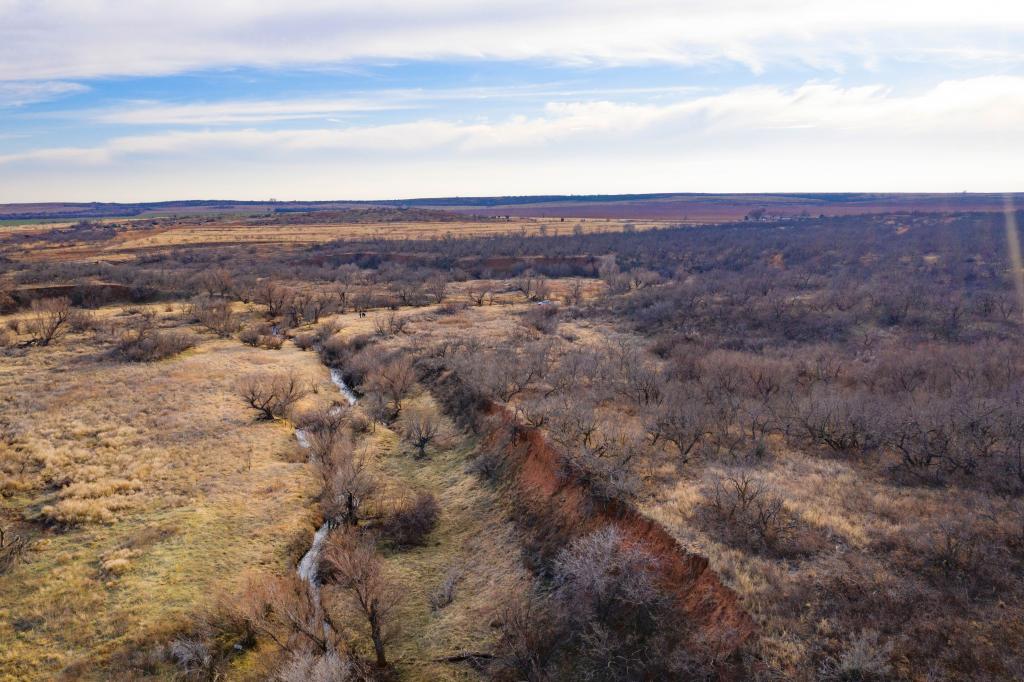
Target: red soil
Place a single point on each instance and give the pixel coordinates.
(721, 622)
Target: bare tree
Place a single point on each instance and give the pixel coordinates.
(216, 282)
(541, 289)
(478, 293)
(357, 568)
(317, 306)
(437, 287)
(394, 380)
(273, 295)
(637, 378)
(574, 294)
(421, 426)
(215, 315)
(49, 319)
(682, 419)
(503, 373)
(750, 511)
(272, 395)
(288, 612)
(348, 491)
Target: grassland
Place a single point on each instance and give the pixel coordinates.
(160, 488)
(151, 237)
(147, 492)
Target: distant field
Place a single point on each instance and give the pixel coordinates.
(53, 241)
(673, 206)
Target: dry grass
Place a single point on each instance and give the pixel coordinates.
(32, 246)
(472, 536)
(149, 488)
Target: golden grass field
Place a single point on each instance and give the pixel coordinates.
(150, 237)
(171, 491)
(171, 495)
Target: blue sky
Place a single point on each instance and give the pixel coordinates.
(308, 99)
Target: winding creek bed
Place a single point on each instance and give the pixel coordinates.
(309, 564)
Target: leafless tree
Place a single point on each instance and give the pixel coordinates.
(750, 511)
(217, 282)
(478, 293)
(49, 319)
(357, 568)
(272, 395)
(215, 315)
(574, 294)
(349, 490)
(285, 610)
(682, 419)
(421, 426)
(437, 287)
(504, 372)
(394, 380)
(637, 378)
(273, 295)
(316, 306)
(619, 620)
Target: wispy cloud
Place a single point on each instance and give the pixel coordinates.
(235, 112)
(975, 108)
(228, 112)
(63, 39)
(20, 93)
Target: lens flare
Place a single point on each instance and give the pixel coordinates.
(1013, 246)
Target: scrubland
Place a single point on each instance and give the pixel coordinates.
(791, 450)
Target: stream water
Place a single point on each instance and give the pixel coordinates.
(310, 562)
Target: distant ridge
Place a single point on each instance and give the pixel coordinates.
(662, 206)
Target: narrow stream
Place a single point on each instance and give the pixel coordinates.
(339, 381)
(309, 564)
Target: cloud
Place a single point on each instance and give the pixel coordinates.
(20, 93)
(243, 111)
(983, 108)
(236, 112)
(62, 39)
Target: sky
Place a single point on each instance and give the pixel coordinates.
(148, 100)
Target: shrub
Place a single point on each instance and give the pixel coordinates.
(444, 594)
(261, 336)
(215, 315)
(750, 513)
(327, 329)
(543, 317)
(410, 521)
(12, 548)
(140, 341)
(82, 320)
(271, 395)
(864, 660)
(49, 319)
(250, 336)
(304, 341)
(271, 342)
